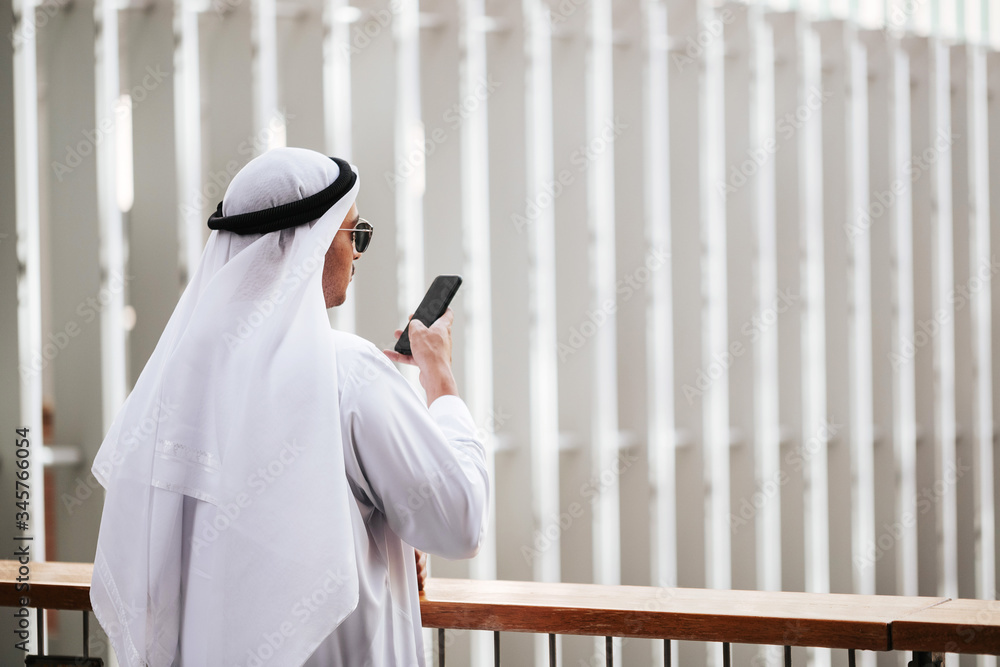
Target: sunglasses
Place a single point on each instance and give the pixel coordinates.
(361, 234)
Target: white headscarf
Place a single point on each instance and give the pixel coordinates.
(237, 407)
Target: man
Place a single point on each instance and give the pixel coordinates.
(268, 477)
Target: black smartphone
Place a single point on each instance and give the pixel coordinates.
(433, 305)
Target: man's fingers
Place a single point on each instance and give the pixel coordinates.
(399, 332)
(447, 319)
(421, 558)
(401, 358)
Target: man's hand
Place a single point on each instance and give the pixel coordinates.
(421, 568)
(431, 353)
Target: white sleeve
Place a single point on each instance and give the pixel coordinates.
(425, 469)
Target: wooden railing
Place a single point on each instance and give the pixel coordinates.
(924, 625)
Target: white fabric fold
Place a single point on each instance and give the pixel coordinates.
(237, 408)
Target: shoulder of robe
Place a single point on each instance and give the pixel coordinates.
(357, 356)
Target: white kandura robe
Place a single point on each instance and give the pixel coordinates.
(419, 479)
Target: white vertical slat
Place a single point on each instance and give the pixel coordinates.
(887, 221)
(661, 428)
(945, 17)
(639, 265)
(993, 20)
(972, 21)
(22, 238)
(981, 259)
(742, 286)
(601, 224)
(20, 260)
(873, 217)
(264, 59)
(838, 174)
(657, 192)
(790, 283)
(862, 438)
(545, 427)
(154, 234)
(410, 137)
(905, 391)
(691, 378)
(960, 309)
(544, 442)
(816, 433)
(898, 18)
(193, 206)
(993, 185)
(813, 330)
(944, 338)
(904, 375)
(868, 14)
(573, 298)
(711, 138)
(338, 18)
(919, 349)
(923, 19)
(475, 84)
(813, 9)
(111, 257)
(770, 305)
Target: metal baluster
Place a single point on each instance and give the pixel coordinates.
(926, 659)
(725, 655)
(86, 634)
(441, 647)
(788, 656)
(609, 652)
(496, 648)
(552, 650)
(851, 660)
(41, 630)
(666, 652)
